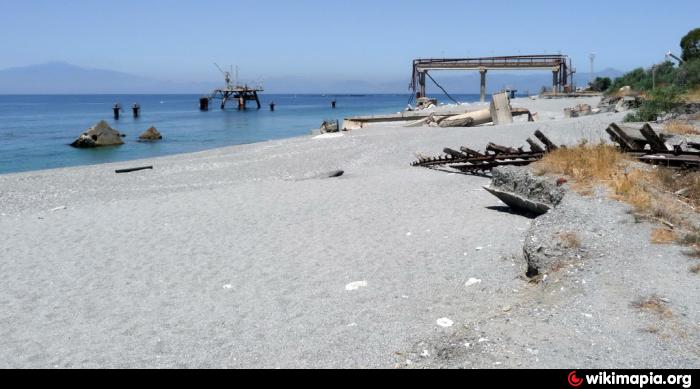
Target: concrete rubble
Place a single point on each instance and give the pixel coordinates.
(522, 191)
(99, 135)
(150, 135)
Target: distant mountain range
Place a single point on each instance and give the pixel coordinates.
(64, 78)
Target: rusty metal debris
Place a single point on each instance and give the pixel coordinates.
(466, 160)
(646, 145)
(643, 144)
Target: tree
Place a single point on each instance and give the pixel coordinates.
(691, 45)
(600, 84)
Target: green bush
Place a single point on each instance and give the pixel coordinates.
(643, 79)
(600, 84)
(659, 101)
(637, 79)
(689, 74)
(691, 45)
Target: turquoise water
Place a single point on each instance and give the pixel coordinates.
(35, 131)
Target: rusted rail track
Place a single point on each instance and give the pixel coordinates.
(645, 145)
(467, 160)
(651, 148)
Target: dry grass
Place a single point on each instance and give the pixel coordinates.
(679, 127)
(599, 164)
(658, 194)
(569, 240)
(693, 95)
(663, 236)
(695, 269)
(653, 304)
(631, 188)
(686, 184)
(582, 163)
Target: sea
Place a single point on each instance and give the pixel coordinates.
(36, 131)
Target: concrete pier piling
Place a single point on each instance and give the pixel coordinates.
(483, 72)
(136, 110)
(272, 106)
(204, 104)
(116, 109)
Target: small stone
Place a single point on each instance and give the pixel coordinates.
(228, 286)
(472, 282)
(355, 285)
(425, 354)
(479, 248)
(445, 322)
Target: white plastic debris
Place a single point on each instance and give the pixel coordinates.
(483, 340)
(445, 322)
(61, 208)
(352, 325)
(355, 285)
(472, 282)
(425, 354)
(228, 286)
(408, 234)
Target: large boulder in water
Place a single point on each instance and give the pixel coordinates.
(99, 135)
(150, 135)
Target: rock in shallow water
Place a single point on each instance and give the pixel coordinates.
(150, 135)
(99, 135)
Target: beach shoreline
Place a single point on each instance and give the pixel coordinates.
(249, 256)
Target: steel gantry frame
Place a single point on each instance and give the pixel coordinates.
(559, 65)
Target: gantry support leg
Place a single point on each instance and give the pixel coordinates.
(555, 80)
(421, 84)
(483, 72)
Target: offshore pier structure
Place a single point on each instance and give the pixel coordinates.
(231, 91)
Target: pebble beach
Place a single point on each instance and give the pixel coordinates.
(251, 256)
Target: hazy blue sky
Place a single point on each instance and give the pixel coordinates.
(179, 40)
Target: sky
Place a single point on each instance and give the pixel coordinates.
(332, 39)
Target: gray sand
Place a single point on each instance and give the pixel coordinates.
(240, 257)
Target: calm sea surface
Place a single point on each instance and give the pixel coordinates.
(35, 131)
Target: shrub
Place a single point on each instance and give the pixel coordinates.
(643, 79)
(691, 45)
(637, 79)
(660, 100)
(689, 74)
(600, 84)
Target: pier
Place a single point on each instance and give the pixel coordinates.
(232, 91)
(559, 65)
(241, 94)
